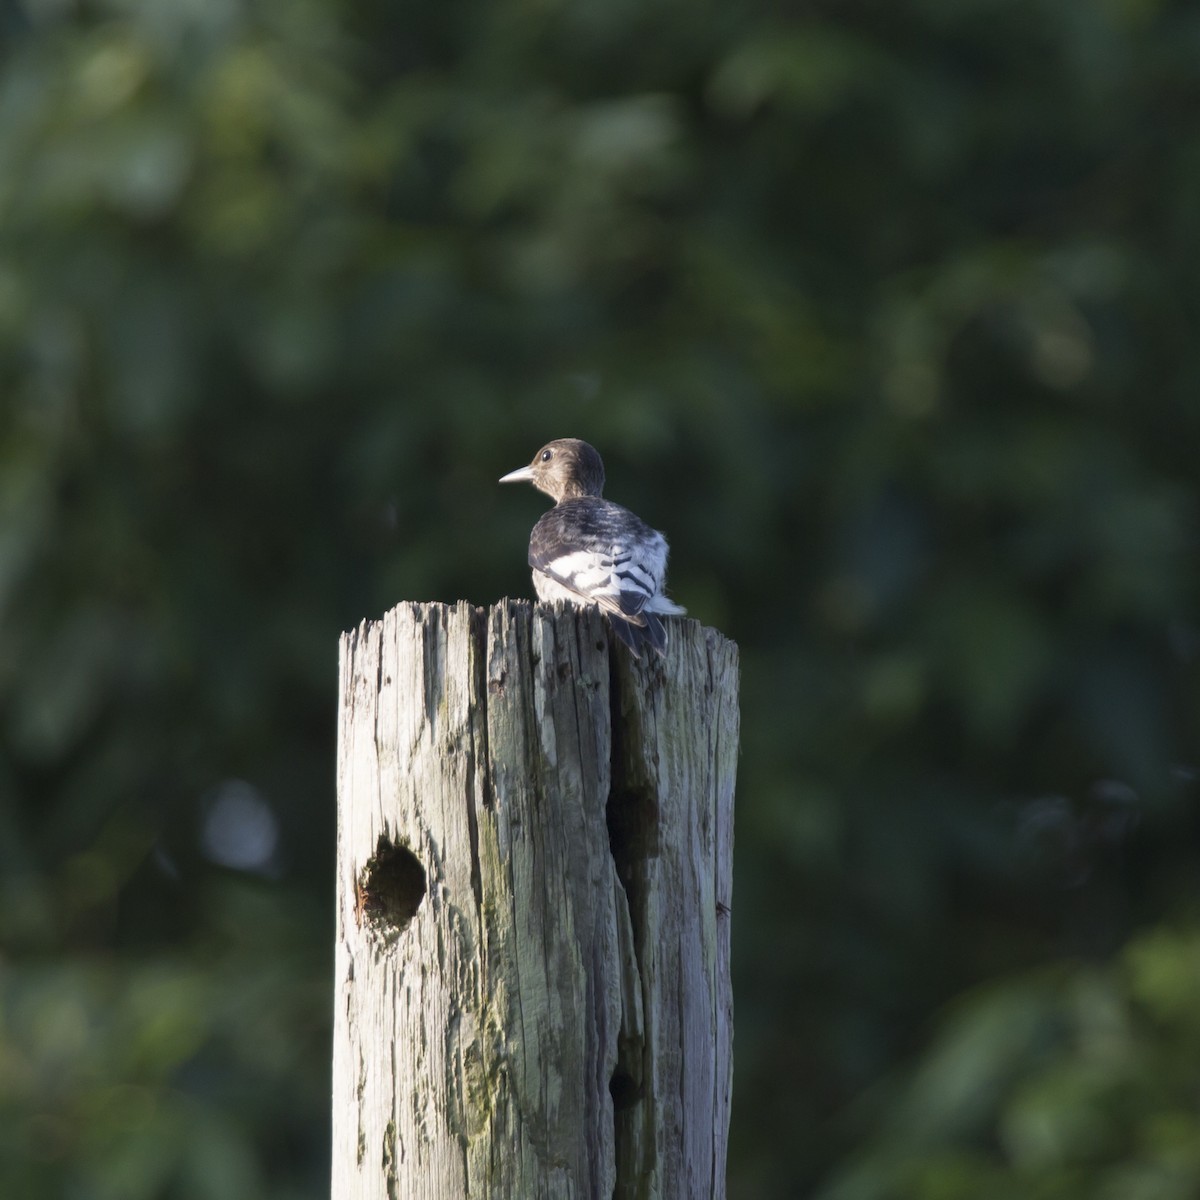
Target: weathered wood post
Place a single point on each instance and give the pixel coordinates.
(534, 870)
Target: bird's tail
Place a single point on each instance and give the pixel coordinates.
(637, 637)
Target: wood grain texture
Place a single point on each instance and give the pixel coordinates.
(534, 871)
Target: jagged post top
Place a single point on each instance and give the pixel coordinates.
(517, 608)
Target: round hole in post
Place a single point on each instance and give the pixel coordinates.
(391, 888)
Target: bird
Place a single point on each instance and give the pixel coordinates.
(588, 550)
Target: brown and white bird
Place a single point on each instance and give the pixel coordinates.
(588, 550)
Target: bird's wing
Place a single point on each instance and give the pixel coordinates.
(601, 553)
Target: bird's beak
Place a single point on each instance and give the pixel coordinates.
(521, 475)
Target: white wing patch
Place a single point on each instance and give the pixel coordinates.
(625, 580)
(591, 551)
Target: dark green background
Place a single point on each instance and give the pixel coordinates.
(886, 311)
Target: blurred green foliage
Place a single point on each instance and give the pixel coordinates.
(886, 312)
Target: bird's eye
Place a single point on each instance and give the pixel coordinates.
(547, 455)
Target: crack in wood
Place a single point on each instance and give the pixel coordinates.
(632, 818)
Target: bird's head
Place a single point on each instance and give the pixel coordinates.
(564, 469)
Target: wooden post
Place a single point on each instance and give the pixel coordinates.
(534, 870)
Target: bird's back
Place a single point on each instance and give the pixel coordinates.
(603, 553)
